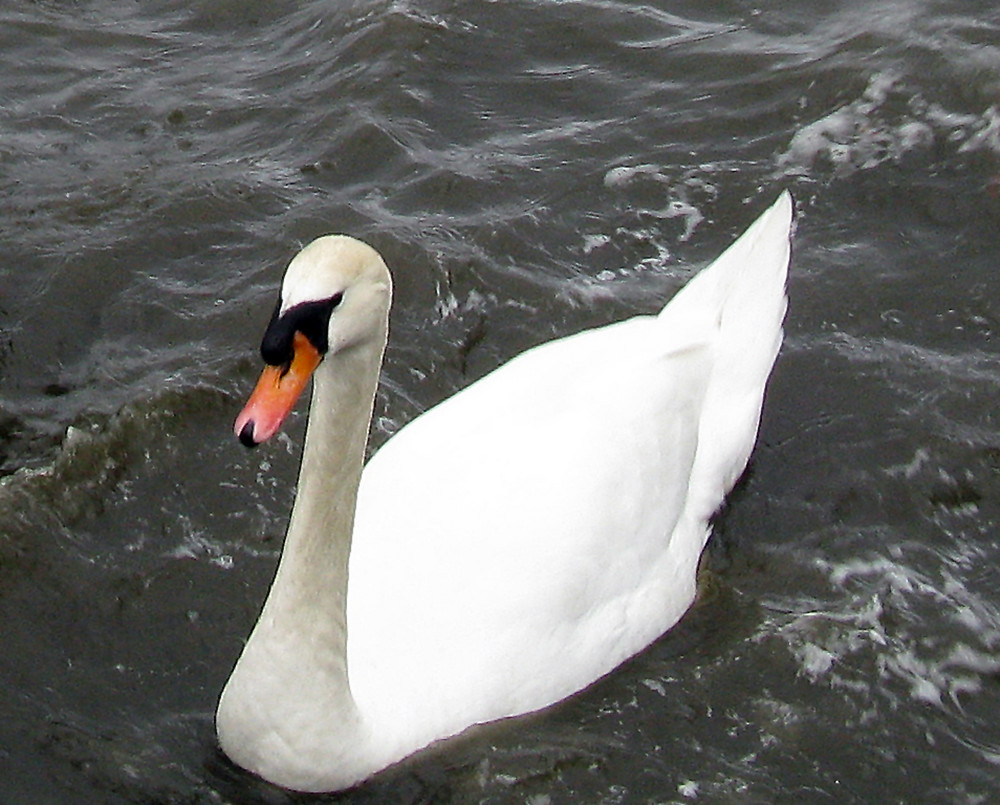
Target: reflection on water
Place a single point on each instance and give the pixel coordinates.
(527, 169)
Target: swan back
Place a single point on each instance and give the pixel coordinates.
(547, 521)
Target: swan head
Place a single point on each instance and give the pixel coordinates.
(334, 297)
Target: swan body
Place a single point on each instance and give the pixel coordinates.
(509, 546)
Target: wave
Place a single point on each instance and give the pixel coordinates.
(90, 461)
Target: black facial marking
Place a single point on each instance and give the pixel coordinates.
(312, 319)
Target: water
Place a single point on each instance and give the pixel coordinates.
(528, 169)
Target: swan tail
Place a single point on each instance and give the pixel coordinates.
(738, 305)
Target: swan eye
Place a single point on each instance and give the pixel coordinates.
(312, 319)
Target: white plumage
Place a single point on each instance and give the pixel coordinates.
(512, 544)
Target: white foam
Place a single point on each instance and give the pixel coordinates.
(868, 131)
(677, 192)
(856, 136)
(626, 174)
(195, 544)
(986, 135)
(870, 637)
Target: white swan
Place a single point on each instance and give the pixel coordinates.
(512, 544)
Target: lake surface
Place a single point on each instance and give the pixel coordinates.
(528, 169)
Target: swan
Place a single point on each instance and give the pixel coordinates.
(509, 546)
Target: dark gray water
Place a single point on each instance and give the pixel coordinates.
(528, 169)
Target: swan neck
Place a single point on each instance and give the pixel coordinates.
(312, 574)
(305, 613)
(295, 663)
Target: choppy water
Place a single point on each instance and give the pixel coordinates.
(528, 168)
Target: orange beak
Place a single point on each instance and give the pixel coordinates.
(275, 394)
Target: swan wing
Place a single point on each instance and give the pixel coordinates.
(503, 539)
(524, 537)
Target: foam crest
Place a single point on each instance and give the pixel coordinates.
(872, 639)
(887, 122)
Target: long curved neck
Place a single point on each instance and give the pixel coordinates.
(287, 711)
(309, 595)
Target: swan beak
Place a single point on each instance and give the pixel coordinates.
(275, 394)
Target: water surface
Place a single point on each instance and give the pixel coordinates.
(528, 169)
